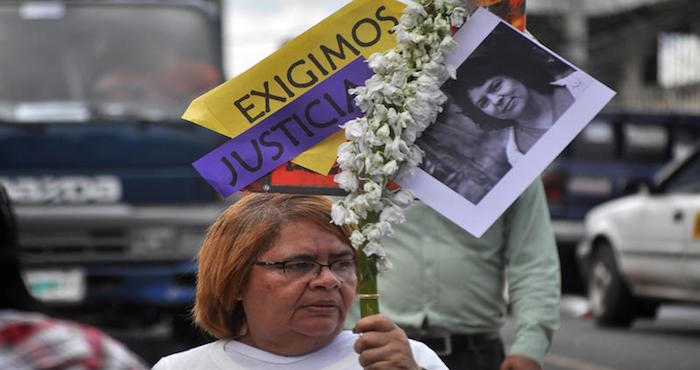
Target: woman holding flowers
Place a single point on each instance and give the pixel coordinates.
(276, 279)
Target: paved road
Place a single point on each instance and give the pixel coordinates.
(671, 342)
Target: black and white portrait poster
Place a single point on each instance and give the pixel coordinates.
(514, 106)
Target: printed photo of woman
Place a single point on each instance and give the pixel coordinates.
(508, 93)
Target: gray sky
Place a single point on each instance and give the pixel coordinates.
(253, 29)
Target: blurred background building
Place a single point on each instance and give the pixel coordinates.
(647, 50)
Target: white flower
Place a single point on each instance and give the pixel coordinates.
(396, 148)
(390, 168)
(374, 164)
(373, 191)
(385, 228)
(415, 156)
(347, 180)
(360, 205)
(414, 13)
(383, 132)
(376, 231)
(392, 214)
(372, 232)
(383, 265)
(356, 238)
(354, 129)
(342, 216)
(402, 198)
(377, 62)
(346, 156)
(398, 102)
(410, 134)
(374, 249)
(457, 17)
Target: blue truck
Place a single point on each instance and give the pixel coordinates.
(94, 154)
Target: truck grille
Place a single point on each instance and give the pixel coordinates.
(72, 246)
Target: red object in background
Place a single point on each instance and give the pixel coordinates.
(292, 178)
(511, 11)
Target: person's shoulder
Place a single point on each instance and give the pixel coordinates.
(63, 341)
(23, 325)
(8, 317)
(187, 359)
(532, 198)
(195, 352)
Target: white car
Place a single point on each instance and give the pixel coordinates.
(644, 249)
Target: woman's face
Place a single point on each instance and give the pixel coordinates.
(500, 97)
(284, 308)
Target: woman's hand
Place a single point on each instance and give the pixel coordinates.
(383, 345)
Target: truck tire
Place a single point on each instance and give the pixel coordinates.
(609, 297)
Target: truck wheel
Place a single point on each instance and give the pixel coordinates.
(609, 297)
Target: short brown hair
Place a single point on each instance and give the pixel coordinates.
(235, 241)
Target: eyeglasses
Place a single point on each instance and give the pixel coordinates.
(343, 269)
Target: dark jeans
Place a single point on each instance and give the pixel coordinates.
(483, 356)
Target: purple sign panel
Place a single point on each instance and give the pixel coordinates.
(299, 125)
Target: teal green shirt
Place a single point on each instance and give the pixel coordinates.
(444, 275)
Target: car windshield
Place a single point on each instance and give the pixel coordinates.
(63, 62)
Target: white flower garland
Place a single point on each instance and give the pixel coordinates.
(399, 101)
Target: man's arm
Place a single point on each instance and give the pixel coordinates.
(534, 283)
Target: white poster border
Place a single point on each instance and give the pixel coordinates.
(477, 218)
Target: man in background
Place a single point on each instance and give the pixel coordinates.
(452, 291)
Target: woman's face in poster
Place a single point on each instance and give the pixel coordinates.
(500, 97)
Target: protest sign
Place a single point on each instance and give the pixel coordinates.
(501, 127)
(286, 133)
(279, 82)
(297, 179)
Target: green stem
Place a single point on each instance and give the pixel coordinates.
(369, 300)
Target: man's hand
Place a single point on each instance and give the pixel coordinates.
(515, 362)
(383, 345)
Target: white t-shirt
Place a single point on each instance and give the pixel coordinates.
(234, 355)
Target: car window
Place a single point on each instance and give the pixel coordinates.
(645, 142)
(687, 179)
(683, 141)
(107, 60)
(596, 142)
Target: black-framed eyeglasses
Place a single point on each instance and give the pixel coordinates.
(344, 269)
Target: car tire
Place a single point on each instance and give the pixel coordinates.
(647, 309)
(610, 299)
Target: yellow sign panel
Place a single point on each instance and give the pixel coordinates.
(362, 27)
